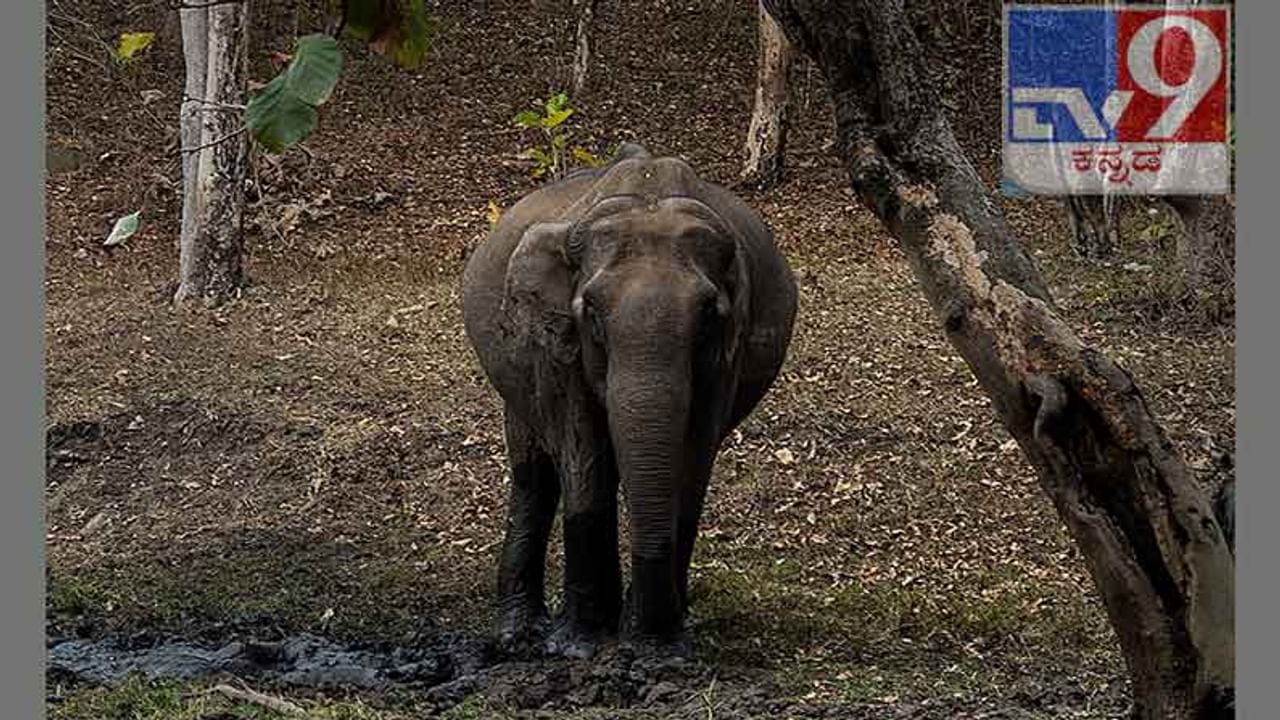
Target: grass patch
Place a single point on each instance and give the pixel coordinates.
(475, 707)
(69, 595)
(140, 699)
(270, 580)
(865, 642)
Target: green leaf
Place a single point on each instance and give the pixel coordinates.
(363, 18)
(528, 119)
(133, 43)
(398, 29)
(124, 229)
(277, 118)
(586, 157)
(557, 102)
(539, 156)
(283, 112)
(314, 69)
(556, 117)
(415, 36)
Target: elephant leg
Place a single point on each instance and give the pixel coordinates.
(531, 510)
(592, 575)
(692, 499)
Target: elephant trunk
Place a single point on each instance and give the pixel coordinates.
(649, 417)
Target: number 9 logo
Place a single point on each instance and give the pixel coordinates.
(1142, 66)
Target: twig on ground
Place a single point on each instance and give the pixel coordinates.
(280, 705)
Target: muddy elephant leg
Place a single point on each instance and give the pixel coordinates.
(592, 575)
(531, 510)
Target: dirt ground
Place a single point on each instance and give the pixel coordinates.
(324, 456)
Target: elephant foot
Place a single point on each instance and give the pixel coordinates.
(675, 645)
(521, 629)
(570, 639)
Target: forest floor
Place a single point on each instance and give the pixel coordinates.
(324, 456)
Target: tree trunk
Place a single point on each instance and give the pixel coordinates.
(1146, 531)
(1207, 246)
(582, 44)
(1206, 243)
(1095, 224)
(214, 152)
(767, 136)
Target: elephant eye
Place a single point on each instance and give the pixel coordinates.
(710, 322)
(711, 308)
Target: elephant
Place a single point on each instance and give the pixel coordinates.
(630, 317)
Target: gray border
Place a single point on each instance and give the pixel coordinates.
(1257, 258)
(21, 305)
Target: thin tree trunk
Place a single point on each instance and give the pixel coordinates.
(1146, 531)
(195, 50)
(1095, 224)
(214, 154)
(1206, 242)
(767, 136)
(582, 44)
(1207, 246)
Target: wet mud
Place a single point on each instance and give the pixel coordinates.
(299, 661)
(434, 677)
(437, 673)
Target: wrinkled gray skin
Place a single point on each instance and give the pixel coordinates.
(629, 317)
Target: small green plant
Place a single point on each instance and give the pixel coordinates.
(550, 159)
(1157, 225)
(131, 44)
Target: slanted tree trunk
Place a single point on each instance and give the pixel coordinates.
(214, 152)
(1146, 531)
(582, 44)
(767, 136)
(1095, 224)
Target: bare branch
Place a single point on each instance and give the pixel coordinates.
(213, 104)
(212, 143)
(202, 5)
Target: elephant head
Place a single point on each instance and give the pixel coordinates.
(644, 297)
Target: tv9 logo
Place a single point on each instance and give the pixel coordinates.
(1117, 99)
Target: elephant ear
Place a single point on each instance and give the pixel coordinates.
(740, 299)
(539, 289)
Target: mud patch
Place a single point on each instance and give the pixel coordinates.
(304, 660)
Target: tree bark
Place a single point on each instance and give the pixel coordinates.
(767, 135)
(1095, 227)
(582, 44)
(214, 152)
(1146, 531)
(1207, 246)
